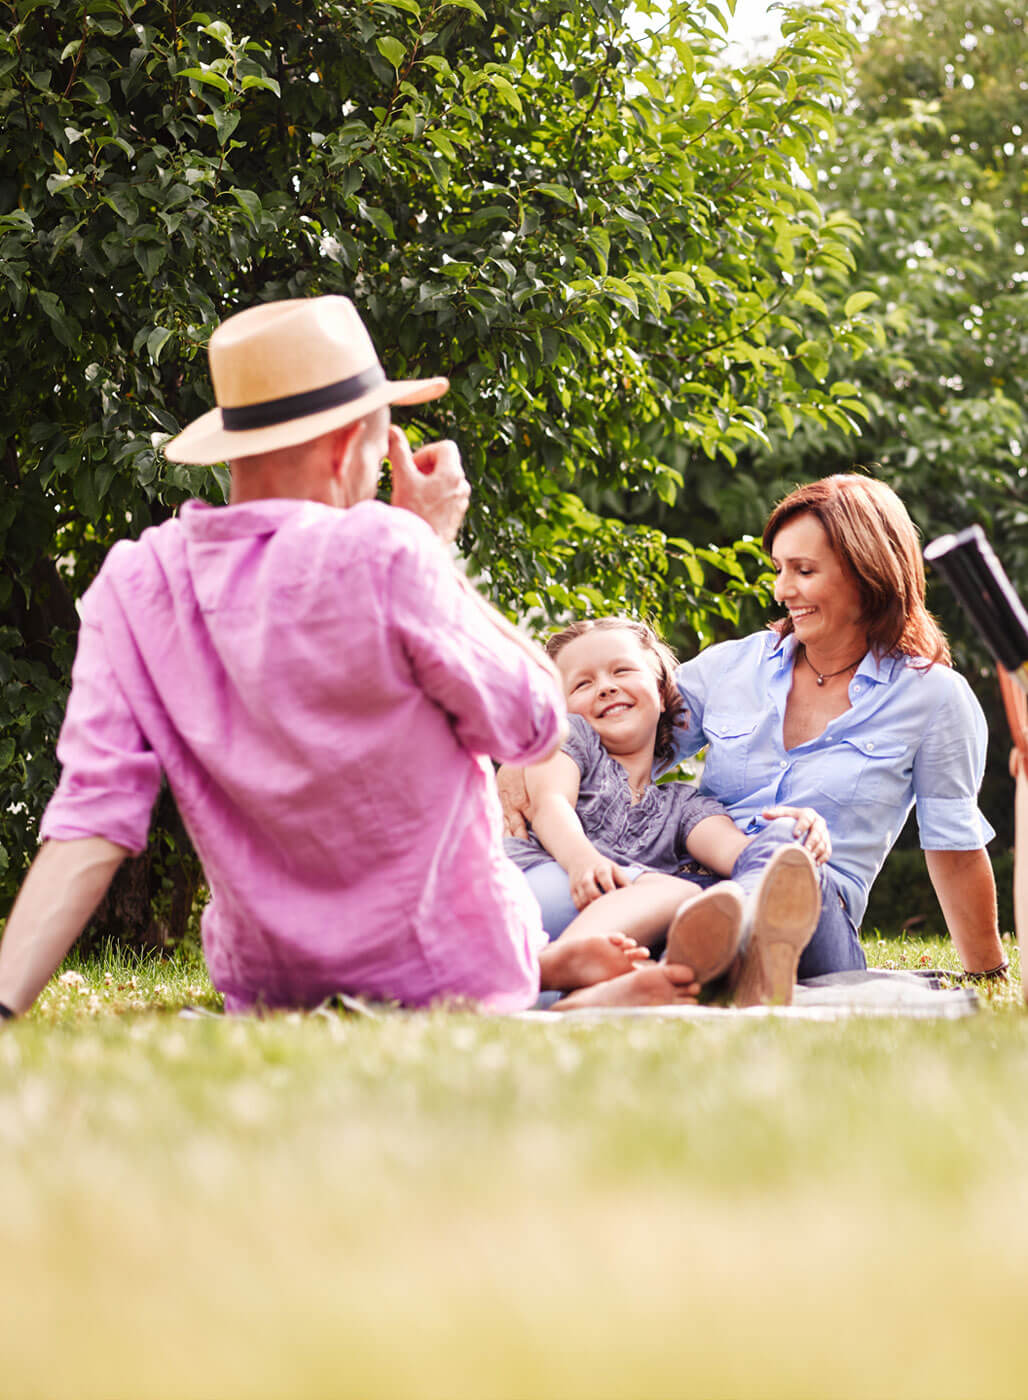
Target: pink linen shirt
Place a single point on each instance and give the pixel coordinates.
(320, 692)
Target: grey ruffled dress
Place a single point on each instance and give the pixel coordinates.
(647, 835)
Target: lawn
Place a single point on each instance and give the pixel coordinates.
(451, 1206)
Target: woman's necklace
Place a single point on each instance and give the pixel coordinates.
(823, 676)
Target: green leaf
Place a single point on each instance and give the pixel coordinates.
(156, 341)
(379, 219)
(503, 86)
(248, 200)
(858, 301)
(442, 144)
(391, 50)
(806, 296)
(225, 120)
(560, 192)
(206, 75)
(150, 257)
(261, 80)
(98, 86)
(219, 30)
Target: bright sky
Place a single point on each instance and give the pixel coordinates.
(755, 26)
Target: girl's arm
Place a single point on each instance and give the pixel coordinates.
(716, 842)
(553, 791)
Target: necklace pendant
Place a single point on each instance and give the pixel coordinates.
(820, 680)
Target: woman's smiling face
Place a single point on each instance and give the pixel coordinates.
(610, 679)
(821, 595)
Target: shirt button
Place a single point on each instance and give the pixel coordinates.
(870, 748)
(783, 764)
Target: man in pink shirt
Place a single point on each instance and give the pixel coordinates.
(319, 685)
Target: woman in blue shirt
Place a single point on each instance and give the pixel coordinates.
(848, 705)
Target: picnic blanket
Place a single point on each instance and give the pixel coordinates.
(874, 992)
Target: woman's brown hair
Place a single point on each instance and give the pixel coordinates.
(667, 661)
(873, 537)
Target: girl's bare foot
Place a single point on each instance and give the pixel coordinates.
(659, 985)
(579, 962)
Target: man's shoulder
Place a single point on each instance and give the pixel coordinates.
(377, 527)
(126, 557)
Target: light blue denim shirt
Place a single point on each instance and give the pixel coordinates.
(913, 735)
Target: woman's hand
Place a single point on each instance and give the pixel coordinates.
(593, 876)
(517, 808)
(810, 829)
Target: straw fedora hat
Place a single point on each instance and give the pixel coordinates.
(284, 373)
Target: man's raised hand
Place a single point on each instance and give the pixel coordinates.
(430, 483)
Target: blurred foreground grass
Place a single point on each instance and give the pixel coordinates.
(450, 1206)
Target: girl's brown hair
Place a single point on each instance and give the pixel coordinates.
(671, 697)
(873, 537)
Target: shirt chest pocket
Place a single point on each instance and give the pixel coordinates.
(868, 770)
(729, 744)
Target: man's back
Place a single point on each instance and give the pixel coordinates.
(315, 683)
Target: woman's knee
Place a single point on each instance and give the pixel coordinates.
(552, 889)
(780, 830)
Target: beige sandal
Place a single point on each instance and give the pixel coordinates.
(785, 911)
(705, 932)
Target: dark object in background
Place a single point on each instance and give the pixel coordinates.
(971, 569)
(976, 576)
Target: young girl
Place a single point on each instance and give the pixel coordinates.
(598, 816)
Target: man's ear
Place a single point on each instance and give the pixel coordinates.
(345, 442)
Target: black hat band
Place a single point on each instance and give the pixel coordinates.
(272, 411)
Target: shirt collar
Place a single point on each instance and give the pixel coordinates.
(881, 670)
(205, 522)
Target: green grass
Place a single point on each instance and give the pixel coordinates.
(455, 1206)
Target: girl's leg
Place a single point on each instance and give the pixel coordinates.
(579, 962)
(643, 909)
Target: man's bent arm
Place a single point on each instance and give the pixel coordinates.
(966, 889)
(65, 883)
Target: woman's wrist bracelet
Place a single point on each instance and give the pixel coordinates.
(990, 974)
(6, 1014)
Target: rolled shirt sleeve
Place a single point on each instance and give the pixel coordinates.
(500, 701)
(109, 775)
(948, 770)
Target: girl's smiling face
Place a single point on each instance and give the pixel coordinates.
(610, 679)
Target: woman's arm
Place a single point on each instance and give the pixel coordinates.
(966, 888)
(553, 791)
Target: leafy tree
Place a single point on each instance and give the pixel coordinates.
(933, 162)
(931, 159)
(602, 235)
